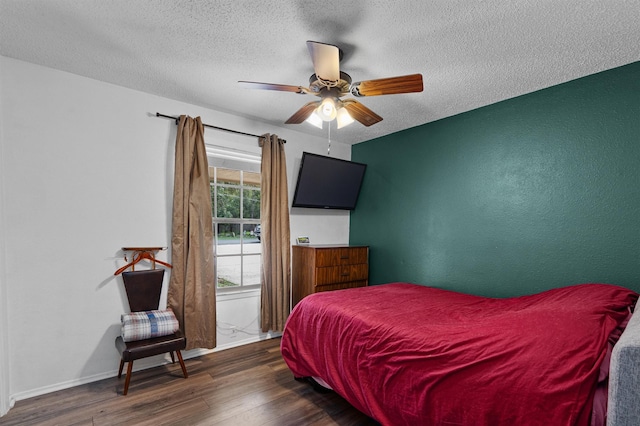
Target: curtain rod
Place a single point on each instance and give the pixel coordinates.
(212, 127)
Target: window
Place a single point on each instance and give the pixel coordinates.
(235, 201)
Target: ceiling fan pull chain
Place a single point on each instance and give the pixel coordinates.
(329, 140)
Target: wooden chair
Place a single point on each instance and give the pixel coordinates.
(143, 292)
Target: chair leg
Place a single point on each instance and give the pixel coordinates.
(173, 360)
(128, 379)
(184, 369)
(120, 370)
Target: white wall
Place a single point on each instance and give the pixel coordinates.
(5, 401)
(87, 168)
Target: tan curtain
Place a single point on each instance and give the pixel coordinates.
(192, 289)
(274, 219)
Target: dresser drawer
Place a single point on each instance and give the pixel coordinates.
(341, 274)
(340, 286)
(341, 256)
(327, 267)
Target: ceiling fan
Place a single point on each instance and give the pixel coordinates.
(330, 85)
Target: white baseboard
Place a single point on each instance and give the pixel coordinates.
(141, 365)
(194, 353)
(6, 405)
(64, 385)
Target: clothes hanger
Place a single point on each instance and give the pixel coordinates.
(140, 255)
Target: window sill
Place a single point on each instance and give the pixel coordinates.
(237, 294)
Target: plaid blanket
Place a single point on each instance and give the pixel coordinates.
(148, 324)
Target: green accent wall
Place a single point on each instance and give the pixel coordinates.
(528, 194)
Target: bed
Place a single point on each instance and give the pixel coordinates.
(407, 354)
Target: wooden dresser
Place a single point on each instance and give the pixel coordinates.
(328, 267)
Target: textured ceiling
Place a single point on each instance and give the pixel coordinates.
(471, 53)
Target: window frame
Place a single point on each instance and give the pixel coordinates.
(224, 158)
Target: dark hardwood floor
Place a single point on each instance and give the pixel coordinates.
(248, 385)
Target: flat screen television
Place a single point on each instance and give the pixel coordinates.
(328, 183)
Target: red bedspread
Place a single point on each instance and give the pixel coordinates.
(414, 355)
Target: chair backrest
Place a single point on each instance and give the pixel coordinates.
(143, 289)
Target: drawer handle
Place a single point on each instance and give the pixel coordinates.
(344, 257)
(344, 274)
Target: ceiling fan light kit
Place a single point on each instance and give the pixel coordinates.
(331, 84)
(327, 109)
(343, 118)
(315, 120)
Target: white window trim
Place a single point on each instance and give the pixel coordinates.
(219, 152)
(233, 154)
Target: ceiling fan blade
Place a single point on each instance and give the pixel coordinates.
(326, 60)
(303, 113)
(361, 113)
(271, 86)
(388, 86)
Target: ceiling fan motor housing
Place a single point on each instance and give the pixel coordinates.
(316, 84)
